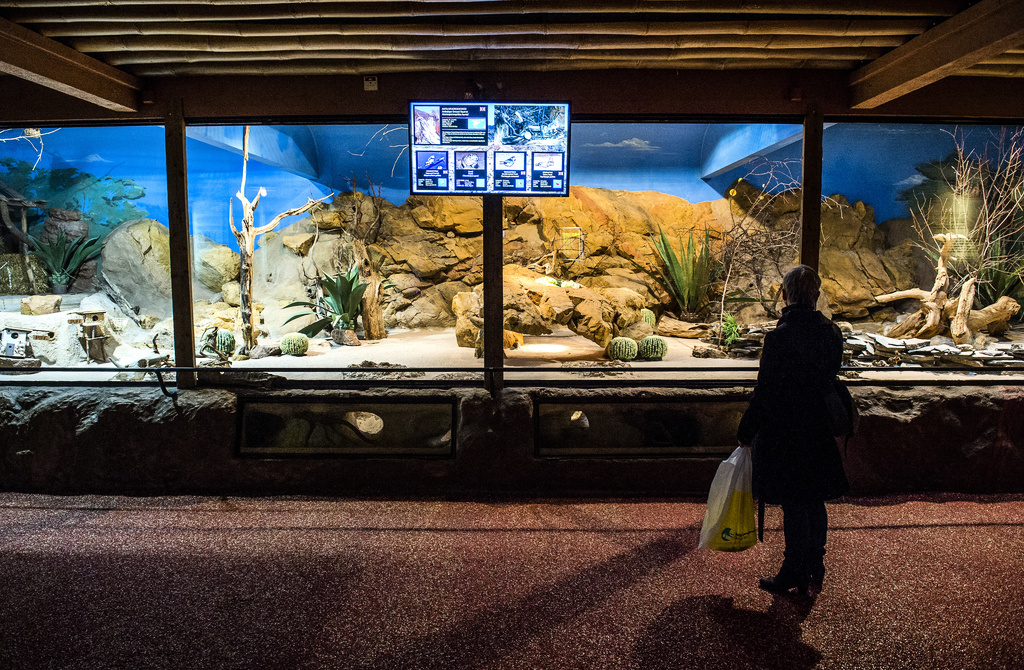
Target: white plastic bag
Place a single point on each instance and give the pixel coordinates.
(729, 518)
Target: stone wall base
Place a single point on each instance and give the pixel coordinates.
(138, 441)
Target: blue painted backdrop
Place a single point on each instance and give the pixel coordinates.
(869, 162)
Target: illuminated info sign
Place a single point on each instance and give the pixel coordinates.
(475, 148)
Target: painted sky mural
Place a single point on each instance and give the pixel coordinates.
(695, 161)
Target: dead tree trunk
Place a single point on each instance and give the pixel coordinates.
(246, 237)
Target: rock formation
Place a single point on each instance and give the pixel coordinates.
(137, 262)
(431, 250)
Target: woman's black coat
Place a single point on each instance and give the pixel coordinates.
(795, 455)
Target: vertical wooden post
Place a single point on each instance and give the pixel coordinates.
(180, 242)
(810, 208)
(494, 317)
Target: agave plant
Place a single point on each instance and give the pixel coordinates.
(338, 304)
(63, 259)
(686, 276)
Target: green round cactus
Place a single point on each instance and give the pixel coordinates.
(652, 348)
(648, 316)
(225, 342)
(622, 349)
(294, 344)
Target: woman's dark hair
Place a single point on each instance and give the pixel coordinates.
(802, 285)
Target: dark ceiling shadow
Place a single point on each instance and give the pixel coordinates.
(498, 633)
(709, 632)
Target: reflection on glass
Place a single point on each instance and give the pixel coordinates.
(84, 262)
(923, 246)
(668, 231)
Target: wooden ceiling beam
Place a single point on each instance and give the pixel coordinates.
(113, 10)
(131, 43)
(820, 27)
(38, 59)
(390, 66)
(981, 31)
(796, 56)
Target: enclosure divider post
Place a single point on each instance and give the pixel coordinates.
(180, 244)
(810, 206)
(493, 278)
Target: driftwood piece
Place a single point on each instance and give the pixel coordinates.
(938, 312)
(927, 322)
(115, 295)
(994, 319)
(958, 328)
(669, 327)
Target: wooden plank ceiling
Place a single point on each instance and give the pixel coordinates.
(185, 38)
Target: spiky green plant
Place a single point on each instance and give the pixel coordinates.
(686, 276)
(338, 305)
(730, 329)
(64, 259)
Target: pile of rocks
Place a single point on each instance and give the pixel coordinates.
(872, 349)
(748, 345)
(862, 349)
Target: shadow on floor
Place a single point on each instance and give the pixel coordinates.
(497, 634)
(709, 632)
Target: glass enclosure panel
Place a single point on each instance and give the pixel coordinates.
(84, 265)
(323, 217)
(912, 202)
(591, 281)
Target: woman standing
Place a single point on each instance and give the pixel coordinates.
(796, 459)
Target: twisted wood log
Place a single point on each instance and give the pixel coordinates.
(927, 322)
(938, 312)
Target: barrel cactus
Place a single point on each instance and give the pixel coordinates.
(648, 316)
(294, 344)
(225, 342)
(622, 349)
(652, 348)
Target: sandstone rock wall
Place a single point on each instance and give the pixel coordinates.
(430, 250)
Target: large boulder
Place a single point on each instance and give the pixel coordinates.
(137, 262)
(54, 341)
(214, 264)
(855, 264)
(467, 308)
(460, 215)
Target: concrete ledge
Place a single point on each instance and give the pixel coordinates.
(138, 441)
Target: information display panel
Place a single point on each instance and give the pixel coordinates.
(476, 148)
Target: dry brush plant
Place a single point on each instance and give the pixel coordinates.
(972, 205)
(764, 233)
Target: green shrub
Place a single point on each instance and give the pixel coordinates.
(622, 349)
(652, 348)
(294, 344)
(730, 330)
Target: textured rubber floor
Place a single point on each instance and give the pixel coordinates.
(99, 582)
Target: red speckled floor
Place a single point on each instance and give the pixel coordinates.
(101, 582)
